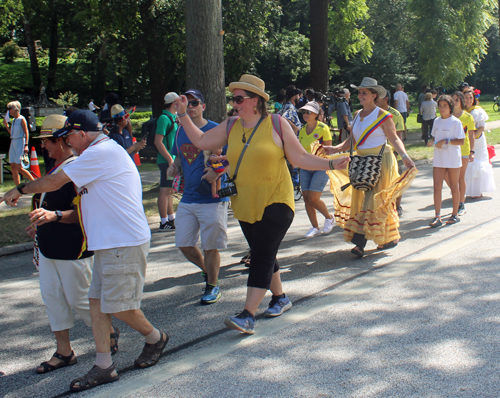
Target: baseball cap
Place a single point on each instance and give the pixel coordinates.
(80, 119)
(170, 97)
(196, 94)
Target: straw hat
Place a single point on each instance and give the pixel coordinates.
(50, 124)
(117, 111)
(312, 106)
(368, 82)
(252, 84)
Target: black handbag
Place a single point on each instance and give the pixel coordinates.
(365, 171)
(420, 118)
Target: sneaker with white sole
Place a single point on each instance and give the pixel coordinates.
(329, 224)
(277, 306)
(313, 232)
(244, 322)
(211, 295)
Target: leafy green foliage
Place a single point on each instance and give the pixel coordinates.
(452, 43)
(66, 99)
(10, 51)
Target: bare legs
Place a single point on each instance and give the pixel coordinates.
(210, 264)
(461, 179)
(16, 170)
(255, 295)
(165, 202)
(439, 176)
(313, 202)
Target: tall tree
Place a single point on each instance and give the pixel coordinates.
(204, 54)
(30, 44)
(318, 11)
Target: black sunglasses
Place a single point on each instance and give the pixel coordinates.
(194, 103)
(238, 99)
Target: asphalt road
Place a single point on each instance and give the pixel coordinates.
(418, 320)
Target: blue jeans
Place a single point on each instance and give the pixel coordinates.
(313, 180)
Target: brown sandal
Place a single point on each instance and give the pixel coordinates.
(95, 377)
(66, 361)
(151, 353)
(116, 335)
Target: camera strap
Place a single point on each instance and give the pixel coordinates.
(245, 148)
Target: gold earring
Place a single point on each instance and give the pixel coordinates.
(254, 110)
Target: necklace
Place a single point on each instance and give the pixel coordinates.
(245, 131)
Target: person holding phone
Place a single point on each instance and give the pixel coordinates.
(121, 131)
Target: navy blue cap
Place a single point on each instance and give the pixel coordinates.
(80, 119)
(196, 94)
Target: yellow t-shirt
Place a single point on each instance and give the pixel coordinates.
(321, 132)
(263, 177)
(468, 124)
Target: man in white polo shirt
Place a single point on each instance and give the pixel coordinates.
(402, 104)
(116, 230)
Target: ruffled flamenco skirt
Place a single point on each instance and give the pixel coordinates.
(479, 174)
(371, 213)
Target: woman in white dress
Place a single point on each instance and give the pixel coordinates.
(479, 174)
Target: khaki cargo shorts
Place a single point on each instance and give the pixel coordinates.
(118, 277)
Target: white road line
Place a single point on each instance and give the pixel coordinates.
(167, 370)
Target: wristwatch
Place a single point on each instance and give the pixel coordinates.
(59, 215)
(20, 188)
(473, 152)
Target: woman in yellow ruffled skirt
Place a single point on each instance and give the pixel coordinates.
(371, 215)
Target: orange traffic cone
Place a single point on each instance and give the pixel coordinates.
(137, 159)
(34, 167)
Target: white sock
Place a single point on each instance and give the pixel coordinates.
(164, 220)
(103, 360)
(171, 217)
(153, 337)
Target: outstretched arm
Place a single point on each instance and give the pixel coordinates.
(211, 139)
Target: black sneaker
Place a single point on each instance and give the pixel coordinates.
(167, 226)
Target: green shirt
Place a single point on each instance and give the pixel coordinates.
(164, 124)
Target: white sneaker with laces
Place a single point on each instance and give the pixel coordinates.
(329, 224)
(313, 232)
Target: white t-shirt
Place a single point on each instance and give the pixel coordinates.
(111, 200)
(450, 156)
(92, 107)
(401, 97)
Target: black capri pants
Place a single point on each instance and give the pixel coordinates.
(264, 238)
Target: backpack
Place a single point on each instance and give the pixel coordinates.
(149, 130)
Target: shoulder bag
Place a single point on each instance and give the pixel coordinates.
(364, 171)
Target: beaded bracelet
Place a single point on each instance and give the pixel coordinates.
(182, 114)
(330, 163)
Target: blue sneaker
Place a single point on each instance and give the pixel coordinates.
(243, 322)
(211, 295)
(277, 306)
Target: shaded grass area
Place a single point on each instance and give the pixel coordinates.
(12, 226)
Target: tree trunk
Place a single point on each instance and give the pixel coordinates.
(319, 44)
(30, 43)
(204, 55)
(101, 69)
(54, 45)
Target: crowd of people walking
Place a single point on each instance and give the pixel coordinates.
(91, 198)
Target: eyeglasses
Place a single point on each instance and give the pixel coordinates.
(44, 140)
(238, 99)
(73, 132)
(307, 112)
(194, 103)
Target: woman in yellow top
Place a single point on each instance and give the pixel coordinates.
(312, 182)
(467, 148)
(264, 203)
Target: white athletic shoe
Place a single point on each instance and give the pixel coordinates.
(329, 224)
(312, 233)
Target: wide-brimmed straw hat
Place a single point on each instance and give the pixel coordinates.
(312, 106)
(368, 82)
(252, 84)
(51, 124)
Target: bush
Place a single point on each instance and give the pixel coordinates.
(10, 51)
(66, 99)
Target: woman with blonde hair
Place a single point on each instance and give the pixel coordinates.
(262, 194)
(19, 141)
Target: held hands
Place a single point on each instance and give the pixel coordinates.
(11, 197)
(172, 170)
(41, 216)
(340, 163)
